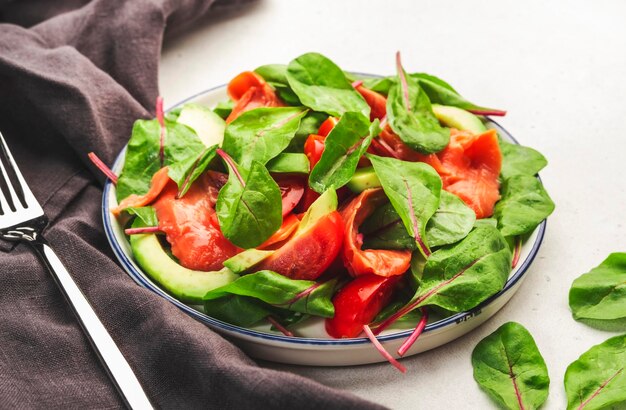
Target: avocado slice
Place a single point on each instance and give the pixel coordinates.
(246, 260)
(363, 179)
(325, 204)
(185, 284)
(289, 163)
(458, 118)
(208, 125)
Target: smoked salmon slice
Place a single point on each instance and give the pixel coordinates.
(473, 163)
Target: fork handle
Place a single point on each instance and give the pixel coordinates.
(109, 354)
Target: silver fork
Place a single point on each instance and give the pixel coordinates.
(22, 219)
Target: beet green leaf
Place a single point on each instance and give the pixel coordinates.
(302, 296)
(598, 298)
(142, 154)
(249, 206)
(597, 380)
(523, 205)
(411, 116)
(510, 369)
(261, 134)
(413, 188)
(321, 85)
(344, 146)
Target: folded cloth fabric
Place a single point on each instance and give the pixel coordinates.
(74, 75)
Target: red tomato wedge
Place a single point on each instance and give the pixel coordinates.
(381, 262)
(309, 253)
(314, 148)
(474, 163)
(358, 303)
(289, 226)
(291, 191)
(249, 90)
(157, 184)
(191, 227)
(327, 126)
(377, 102)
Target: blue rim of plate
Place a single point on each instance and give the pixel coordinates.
(139, 277)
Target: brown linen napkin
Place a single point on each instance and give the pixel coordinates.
(70, 84)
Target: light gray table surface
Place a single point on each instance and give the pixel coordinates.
(558, 67)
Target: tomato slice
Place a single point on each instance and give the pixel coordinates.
(308, 254)
(289, 226)
(249, 90)
(382, 262)
(191, 227)
(327, 126)
(291, 191)
(358, 303)
(314, 148)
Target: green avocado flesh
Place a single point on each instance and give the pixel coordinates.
(185, 284)
(247, 259)
(208, 125)
(457, 118)
(363, 179)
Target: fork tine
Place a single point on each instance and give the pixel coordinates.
(28, 197)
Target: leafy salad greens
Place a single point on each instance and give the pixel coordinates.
(313, 193)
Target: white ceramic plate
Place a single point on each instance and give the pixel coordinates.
(314, 346)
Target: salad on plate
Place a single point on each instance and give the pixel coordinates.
(318, 194)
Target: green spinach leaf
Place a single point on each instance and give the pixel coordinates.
(276, 76)
(185, 172)
(261, 134)
(224, 108)
(249, 206)
(411, 116)
(322, 86)
(598, 298)
(146, 214)
(597, 380)
(440, 92)
(523, 205)
(452, 221)
(520, 160)
(142, 154)
(461, 276)
(510, 369)
(302, 296)
(413, 188)
(310, 124)
(237, 310)
(344, 146)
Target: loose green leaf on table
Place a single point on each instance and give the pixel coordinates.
(261, 134)
(185, 172)
(520, 160)
(510, 369)
(142, 154)
(411, 117)
(343, 147)
(302, 296)
(249, 206)
(524, 203)
(598, 298)
(452, 221)
(321, 85)
(597, 380)
(413, 188)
